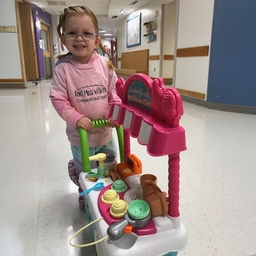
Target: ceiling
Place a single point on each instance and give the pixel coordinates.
(107, 11)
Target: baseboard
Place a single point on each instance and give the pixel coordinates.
(220, 106)
(9, 85)
(167, 81)
(197, 95)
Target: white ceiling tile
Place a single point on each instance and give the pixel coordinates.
(103, 9)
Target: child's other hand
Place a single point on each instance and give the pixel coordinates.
(111, 123)
(84, 123)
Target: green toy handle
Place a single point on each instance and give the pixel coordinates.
(85, 144)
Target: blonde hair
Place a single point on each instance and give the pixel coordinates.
(79, 9)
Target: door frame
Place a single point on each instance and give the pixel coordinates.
(23, 9)
(47, 27)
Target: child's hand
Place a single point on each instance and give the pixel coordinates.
(111, 123)
(84, 123)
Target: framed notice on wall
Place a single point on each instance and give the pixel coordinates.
(133, 31)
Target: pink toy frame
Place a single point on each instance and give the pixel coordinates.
(151, 112)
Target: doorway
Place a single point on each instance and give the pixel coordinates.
(46, 45)
(27, 43)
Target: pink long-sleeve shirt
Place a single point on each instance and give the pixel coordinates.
(79, 90)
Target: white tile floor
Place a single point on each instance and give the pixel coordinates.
(38, 203)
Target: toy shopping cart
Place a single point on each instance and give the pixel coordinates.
(127, 211)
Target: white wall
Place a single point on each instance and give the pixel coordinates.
(194, 29)
(56, 39)
(148, 14)
(169, 37)
(10, 66)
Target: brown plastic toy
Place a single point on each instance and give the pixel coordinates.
(153, 195)
(113, 176)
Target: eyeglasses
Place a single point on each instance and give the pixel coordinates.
(85, 35)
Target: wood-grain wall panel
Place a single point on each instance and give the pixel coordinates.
(154, 57)
(136, 60)
(168, 57)
(193, 51)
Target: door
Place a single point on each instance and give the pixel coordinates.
(29, 56)
(46, 44)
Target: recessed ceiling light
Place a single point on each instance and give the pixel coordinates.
(133, 2)
(107, 34)
(102, 31)
(62, 3)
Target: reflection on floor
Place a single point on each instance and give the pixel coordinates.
(39, 207)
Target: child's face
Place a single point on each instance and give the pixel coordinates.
(81, 48)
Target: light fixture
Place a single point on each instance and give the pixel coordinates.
(107, 34)
(102, 31)
(122, 11)
(38, 24)
(133, 2)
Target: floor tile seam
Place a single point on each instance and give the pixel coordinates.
(5, 146)
(216, 165)
(238, 193)
(40, 199)
(216, 198)
(20, 199)
(200, 233)
(42, 236)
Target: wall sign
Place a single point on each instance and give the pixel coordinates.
(8, 29)
(138, 94)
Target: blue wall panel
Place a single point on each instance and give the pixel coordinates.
(232, 70)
